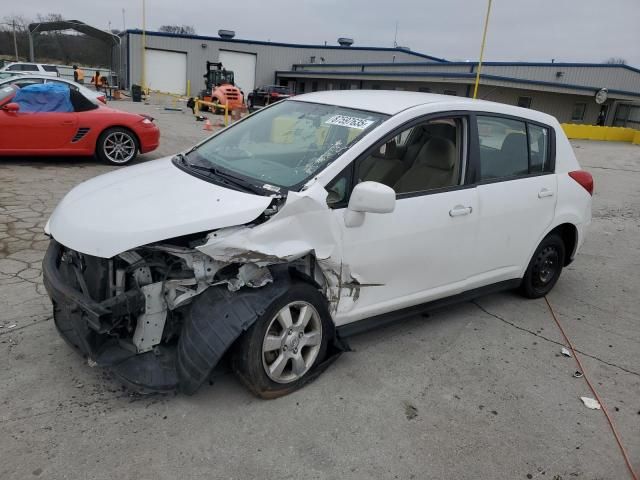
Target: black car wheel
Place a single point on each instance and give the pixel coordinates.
(280, 351)
(544, 268)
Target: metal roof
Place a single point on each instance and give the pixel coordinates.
(282, 44)
(77, 25)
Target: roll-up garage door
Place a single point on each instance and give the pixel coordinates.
(243, 66)
(166, 71)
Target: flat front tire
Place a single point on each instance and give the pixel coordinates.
(117, 146)
(544, 268)
(281, 350)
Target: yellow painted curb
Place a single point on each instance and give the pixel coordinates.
(595, 132)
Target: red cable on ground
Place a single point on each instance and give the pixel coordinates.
(595, 394)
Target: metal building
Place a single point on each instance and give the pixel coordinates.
(565, 90)
(176, 64)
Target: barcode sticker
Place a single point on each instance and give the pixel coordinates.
(349, 122)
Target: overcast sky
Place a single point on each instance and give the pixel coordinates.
(519, 30)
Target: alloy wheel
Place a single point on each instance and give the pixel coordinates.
(292, 342)
(119, 147)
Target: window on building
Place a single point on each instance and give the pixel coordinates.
(343, 86)
(300, 88)
(424, 89)
(524, 102)
(314, 86)
(503, 148)
(578, 111)
(451, 92)
(375, 87)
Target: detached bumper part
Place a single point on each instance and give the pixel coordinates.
(83, 323)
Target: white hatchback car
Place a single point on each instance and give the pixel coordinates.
(308, 221)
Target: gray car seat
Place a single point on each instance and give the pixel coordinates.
(382, 167)
(434, 168)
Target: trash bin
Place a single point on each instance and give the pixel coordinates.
(136, 93)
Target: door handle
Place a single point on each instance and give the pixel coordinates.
(545, 192)
(460, 210)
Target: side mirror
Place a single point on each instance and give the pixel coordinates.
(369, 197)
(11, 107)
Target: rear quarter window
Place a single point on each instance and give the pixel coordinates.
(50, 68)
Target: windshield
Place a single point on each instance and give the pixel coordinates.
(286, 144)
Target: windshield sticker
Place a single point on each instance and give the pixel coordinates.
(349, 122)
(271, 188)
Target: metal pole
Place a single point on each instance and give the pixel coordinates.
(144, 46)
(484, 38)
(15, 42)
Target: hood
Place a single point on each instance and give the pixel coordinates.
(146, 203)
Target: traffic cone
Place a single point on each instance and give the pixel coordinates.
(208, 126)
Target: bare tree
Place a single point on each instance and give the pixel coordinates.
(178, 29)
(616, 61)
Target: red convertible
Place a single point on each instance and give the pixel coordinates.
(56, 120)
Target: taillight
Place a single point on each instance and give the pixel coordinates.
(103, 99)
(584, 179)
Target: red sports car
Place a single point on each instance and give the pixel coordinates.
(39, 120)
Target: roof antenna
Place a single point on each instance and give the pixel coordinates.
(395, 37)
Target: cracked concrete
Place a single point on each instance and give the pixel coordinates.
(488, 393)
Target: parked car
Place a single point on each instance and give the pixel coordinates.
(267, 95)
(4, 75)
(30, 79)
(53, 119)
(315, 218)
(25, 67)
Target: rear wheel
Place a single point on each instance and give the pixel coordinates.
(280, 352)
(544, 268)
(117, 146)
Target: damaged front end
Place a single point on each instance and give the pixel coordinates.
(128, 312)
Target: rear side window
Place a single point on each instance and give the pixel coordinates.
(50, 68)
(538, 149)
(512, 148)
(503, 148)
(28, 67)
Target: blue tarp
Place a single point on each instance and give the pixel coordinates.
(44, 97)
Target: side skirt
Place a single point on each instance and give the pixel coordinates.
(379, 321)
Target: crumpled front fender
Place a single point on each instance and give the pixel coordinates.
(215, 320)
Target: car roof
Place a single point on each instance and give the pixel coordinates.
(392, 102)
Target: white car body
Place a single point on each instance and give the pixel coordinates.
(96, 97)
(31, 68)
(376, 255)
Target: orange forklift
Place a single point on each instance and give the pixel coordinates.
(220, 87)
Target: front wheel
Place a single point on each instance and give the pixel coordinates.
(280, 352)
(544, 268)
(117, 146)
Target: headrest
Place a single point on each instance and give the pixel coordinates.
(515, 144)
(437, 153)
(390, 151)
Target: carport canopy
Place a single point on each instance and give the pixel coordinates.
(107, 37)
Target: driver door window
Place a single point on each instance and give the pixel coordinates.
(423, 157)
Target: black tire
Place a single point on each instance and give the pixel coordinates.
(104, 149)
(544, 268)
(248, 359)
